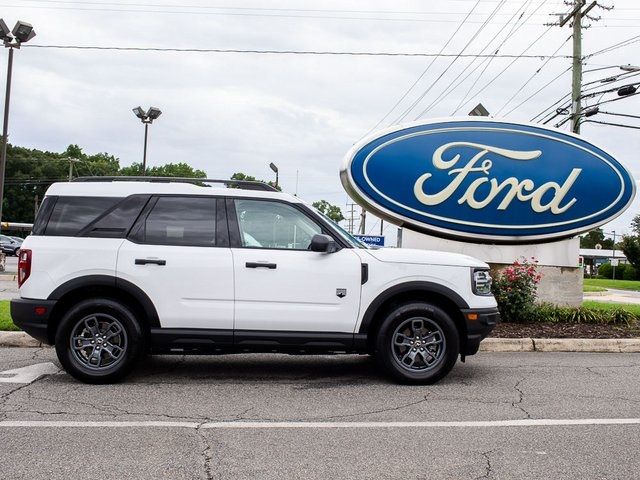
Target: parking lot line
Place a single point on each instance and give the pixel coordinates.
(549, 422)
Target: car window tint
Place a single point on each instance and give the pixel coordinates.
(181, 221)
(117, 222)
(265, 224)
(72, 214)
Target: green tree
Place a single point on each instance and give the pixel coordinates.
(331, 211)
(595, 237)
(29, 172)
(181, 169)
(251, 178)
(630, 244)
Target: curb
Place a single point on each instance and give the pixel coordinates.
(18, 339)
(593, 345)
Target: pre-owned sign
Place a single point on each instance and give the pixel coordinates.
(487, 180)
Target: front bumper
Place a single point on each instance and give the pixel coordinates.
(479, 322)
(28, 315)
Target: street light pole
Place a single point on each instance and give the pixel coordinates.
(147, 118)
(5, 127)
(144, 154)
(12, 39)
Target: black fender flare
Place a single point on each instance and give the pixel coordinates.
(113, 282)
(416, 286)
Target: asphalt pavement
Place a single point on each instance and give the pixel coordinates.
(500, 415)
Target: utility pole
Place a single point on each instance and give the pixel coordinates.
(576, 16)
(351, 218)
(363, 222)
(71, 162)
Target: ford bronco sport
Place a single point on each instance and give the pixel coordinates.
(119, 267)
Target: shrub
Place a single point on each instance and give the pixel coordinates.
(515, 289)
(629, 273)
(548, 313)
(605, 270)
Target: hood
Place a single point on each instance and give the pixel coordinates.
(425, 257)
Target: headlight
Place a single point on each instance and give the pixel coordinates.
(481, 282)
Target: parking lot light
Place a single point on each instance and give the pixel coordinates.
(22, 32)
(146, 118)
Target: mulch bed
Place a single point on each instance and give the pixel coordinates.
(563, 330)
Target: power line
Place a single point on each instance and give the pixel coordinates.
(616, 78)
(618, 114)
(404, 95)
(615, 46)
(531, 77)
(454, 86)
(538, 91)
(432, 84)
(282, 52)
(522, 55)
(513, 30)
(612, 124)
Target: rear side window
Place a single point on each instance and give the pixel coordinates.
(72, 214)
(40, 223)
(187, 221)
(117, 221)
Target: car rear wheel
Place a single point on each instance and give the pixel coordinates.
(99, 341)
(417, 343)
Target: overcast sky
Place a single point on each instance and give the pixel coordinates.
(226, 112)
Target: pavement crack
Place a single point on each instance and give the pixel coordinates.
(206, 452)
(488, 468)
(518, 404)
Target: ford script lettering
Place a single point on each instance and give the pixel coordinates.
(486, 180)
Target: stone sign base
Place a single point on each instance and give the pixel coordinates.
(562, 278)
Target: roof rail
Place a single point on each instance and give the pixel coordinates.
(244, 184)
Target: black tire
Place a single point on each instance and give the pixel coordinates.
(16, 252)
(116, 353)
(430, 359)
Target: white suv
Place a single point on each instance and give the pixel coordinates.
(117, 267)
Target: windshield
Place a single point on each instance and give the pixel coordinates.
(350, 239)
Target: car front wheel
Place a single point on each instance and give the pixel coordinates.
(99, 341)
(417, 343)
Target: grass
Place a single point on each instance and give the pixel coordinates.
(591, 288)
(5, 317)
(629, 307)
(606, 283)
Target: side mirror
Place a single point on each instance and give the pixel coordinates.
(323, 243)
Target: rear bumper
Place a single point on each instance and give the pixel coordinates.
(23, 313)
(479, 328)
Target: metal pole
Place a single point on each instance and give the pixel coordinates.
(613, 261)
(70, 169)
(144, 155)
(576, 81)
(5, 128)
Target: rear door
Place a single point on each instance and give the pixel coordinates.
(281, 285)
(178, 254)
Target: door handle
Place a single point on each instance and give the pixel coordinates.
(270, 266)
(146, 261)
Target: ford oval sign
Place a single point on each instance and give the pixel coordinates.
(487, 180)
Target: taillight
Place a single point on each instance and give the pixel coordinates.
(24, 266)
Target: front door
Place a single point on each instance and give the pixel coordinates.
(180, 257)
(279, 283)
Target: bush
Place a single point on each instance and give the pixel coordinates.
(629, 273)
(548, 313)
(515, 290)
(605, 270)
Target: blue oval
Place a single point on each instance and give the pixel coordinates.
(487, 180)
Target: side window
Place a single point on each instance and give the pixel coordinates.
(187, 221)
(72, 214)
(266, 224)
(117, 222)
